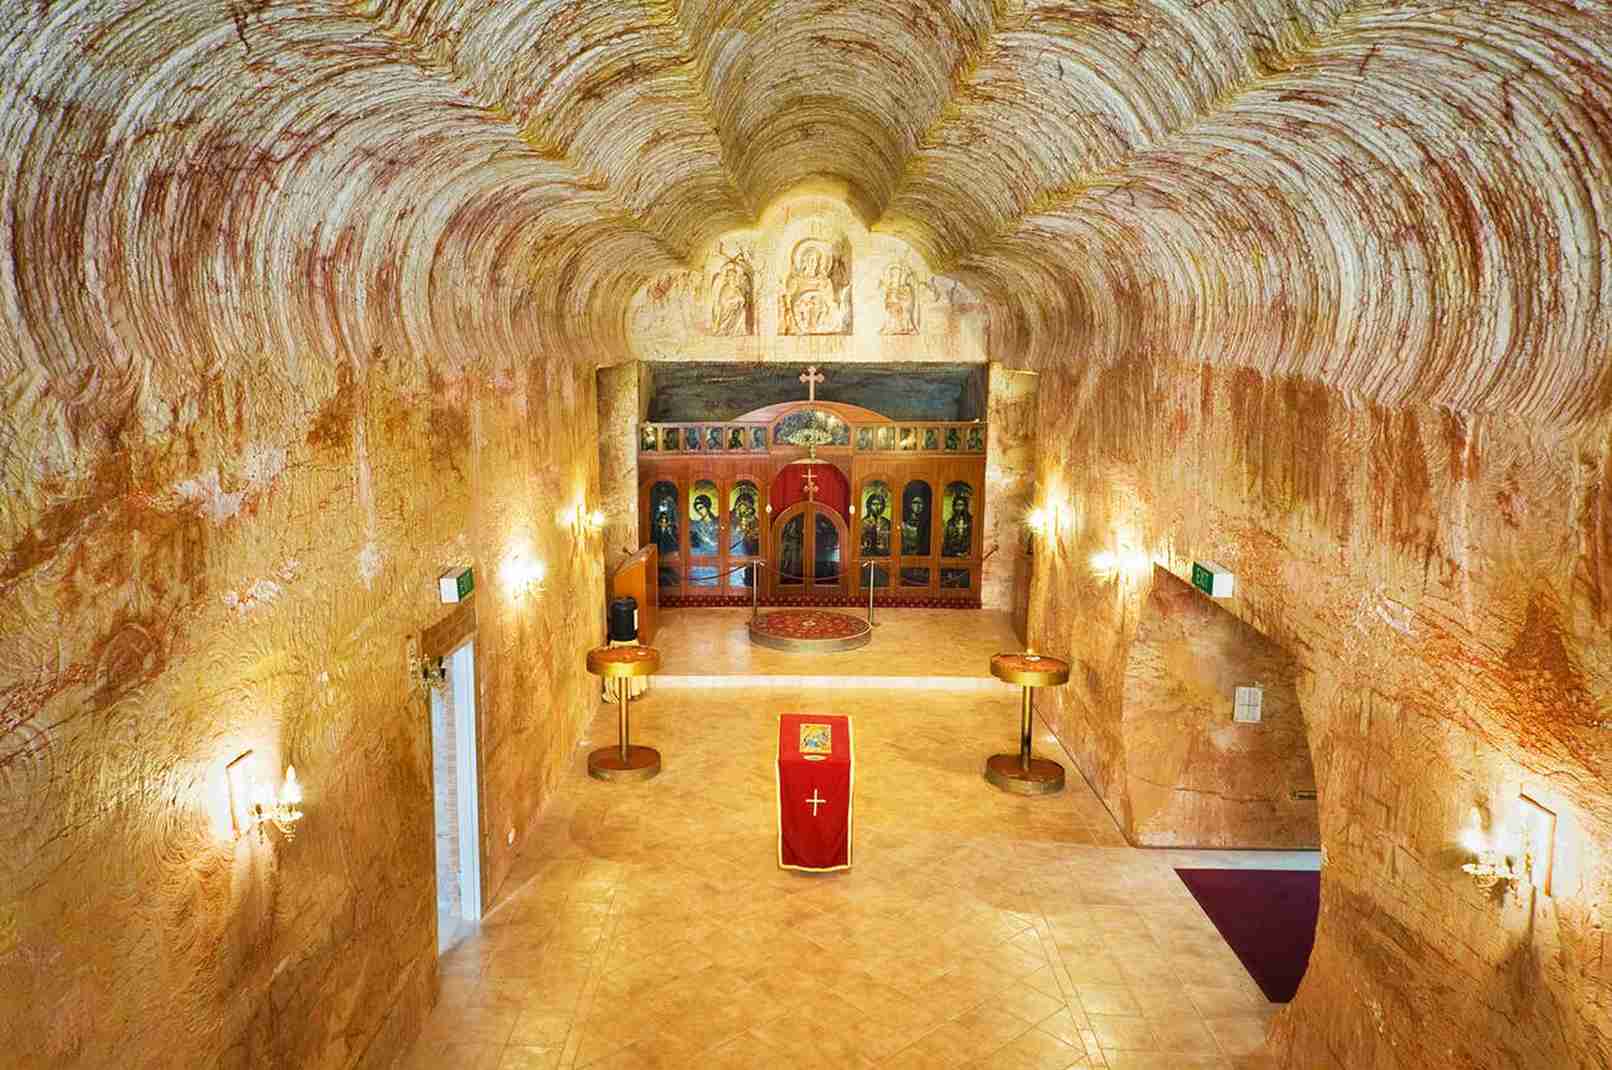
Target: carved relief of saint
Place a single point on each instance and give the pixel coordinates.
(900, 289)
(817, 290)
(732, 288)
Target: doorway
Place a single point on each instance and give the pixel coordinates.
(809, 549)
(454, 797)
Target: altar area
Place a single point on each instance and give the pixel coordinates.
(928, 648)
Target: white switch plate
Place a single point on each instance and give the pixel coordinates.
(1248, 706)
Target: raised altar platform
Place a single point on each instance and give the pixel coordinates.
(810, 631)
(910, 648)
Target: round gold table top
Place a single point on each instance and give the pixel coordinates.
(615, 661)
(1031, 670)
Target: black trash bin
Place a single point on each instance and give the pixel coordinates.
(624, 620)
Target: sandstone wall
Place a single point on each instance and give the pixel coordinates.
(1194, 777)
(621, 407)
(1444, 585)
(1010, 480)
(253, 585)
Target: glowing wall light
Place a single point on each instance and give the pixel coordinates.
(582, 520)
(1127, 561)
(521, 572)
(254, 803)
(1489, 865)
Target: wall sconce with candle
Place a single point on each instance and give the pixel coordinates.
(522, 573)
(254, 803)
(585, 521)
(1126, 561)
(1489, 865)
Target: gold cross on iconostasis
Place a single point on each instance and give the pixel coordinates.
(808, 483)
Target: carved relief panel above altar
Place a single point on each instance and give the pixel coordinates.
(808, 282)
(730, 288)
(899, 287)
(816, 297)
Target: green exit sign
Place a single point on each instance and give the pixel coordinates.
(456, 584)
(1212, 580)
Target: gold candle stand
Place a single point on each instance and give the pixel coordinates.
(624, 761)
(1023, 773)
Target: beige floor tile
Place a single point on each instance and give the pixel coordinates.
(1034, 1050)
(649, 925)
(1124, 1033)
(1068, 1025)
(1100, 969)
(945, 1046)
(541, 1028)
(1227, 1001)
(1184, 1035)
(1243, 1035)
(987, 1029)
(1027, 1003)
(1155, 1060)
(1108, 999)
(521, 1057)
(461, 1055)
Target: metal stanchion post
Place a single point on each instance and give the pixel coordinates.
(869, 566)
(1025, 717)
(755, 591)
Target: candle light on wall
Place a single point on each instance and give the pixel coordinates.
(253, 803)
(581, 520)
(1489, 866)
(521, 572)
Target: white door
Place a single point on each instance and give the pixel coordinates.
(455, 804)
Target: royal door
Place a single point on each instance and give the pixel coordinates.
(810, 551)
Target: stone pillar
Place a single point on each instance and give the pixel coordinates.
(622, 404)
(1009, 481)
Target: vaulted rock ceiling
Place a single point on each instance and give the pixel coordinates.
(1406, 201)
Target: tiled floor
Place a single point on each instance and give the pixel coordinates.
(907, 642)
(649, 925)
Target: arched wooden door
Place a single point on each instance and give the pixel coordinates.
(810, 551)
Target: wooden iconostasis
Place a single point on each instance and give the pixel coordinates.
(900, 504)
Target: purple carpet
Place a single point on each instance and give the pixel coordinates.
(1268, 918)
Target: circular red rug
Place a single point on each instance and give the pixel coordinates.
(809, 624)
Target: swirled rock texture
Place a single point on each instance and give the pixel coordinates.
(300, 303)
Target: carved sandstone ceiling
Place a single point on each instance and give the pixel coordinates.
(1406, 201)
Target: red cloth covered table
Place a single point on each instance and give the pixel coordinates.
(815, 778)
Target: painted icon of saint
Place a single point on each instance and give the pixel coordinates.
(959, 537)
(875, 527)
(702, 526)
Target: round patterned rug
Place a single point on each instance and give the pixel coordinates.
(818, 630)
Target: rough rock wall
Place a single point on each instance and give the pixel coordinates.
(1444, 583)
(1010, 477)
(157, 627)
(1194, 777)
(273, 354)
(211, 210)
(621, 407)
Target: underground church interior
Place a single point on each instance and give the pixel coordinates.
(781, 533)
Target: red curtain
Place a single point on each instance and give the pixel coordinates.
(833, 489)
